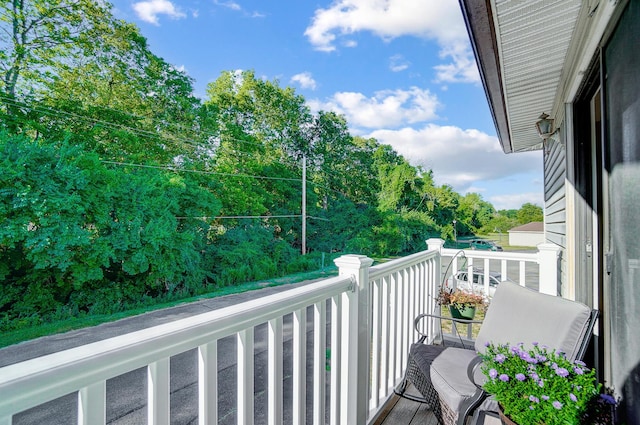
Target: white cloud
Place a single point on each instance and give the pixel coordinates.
(387, 108)
(149, 10)
(237, 7)
(305, 79)
(228, 4)
(388, 19)
(398, 63)
(460, 158)
(516, 200)
(461, 69)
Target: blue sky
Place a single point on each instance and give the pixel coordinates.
(401, 71)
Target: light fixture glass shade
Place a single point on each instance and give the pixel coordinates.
(544, 126)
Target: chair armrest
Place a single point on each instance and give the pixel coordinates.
(471, 371)
(418, 318)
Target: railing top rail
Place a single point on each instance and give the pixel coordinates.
(398, 264)
(494, 255)
(45, 378)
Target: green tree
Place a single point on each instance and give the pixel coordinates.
(124, 103)
(529, 212)
(499, 223)
(39, 36)
(80, 235)
(473, 213)
(258, 136)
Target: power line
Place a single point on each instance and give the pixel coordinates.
(235, 217)
(57, 113)
(169, 168)
(243, 216)
(148, 134)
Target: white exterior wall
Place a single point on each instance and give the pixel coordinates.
(525, 238)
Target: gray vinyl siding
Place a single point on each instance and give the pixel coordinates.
(554, 195)
(555, 216)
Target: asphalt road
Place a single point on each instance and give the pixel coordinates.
(126, 394)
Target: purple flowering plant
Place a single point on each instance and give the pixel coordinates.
(538, 385)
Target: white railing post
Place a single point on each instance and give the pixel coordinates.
(356, 338)
(435, 244)
(548, 254)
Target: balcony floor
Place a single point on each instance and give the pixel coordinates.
(400, 411)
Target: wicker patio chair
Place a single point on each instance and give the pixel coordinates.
(448, 376)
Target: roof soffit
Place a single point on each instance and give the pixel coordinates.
(521, 48)
(533, 37)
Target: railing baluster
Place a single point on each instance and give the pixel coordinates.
(245, 376)
(405, 322)
(275, 401)
(485, 277)
(208, 383)
(158, 392)
(336, 336)
(344, 357)
(412, 310)
(393, 328)
(92, 404)
(419, 295)
(299, 365)
(401, 330)
(319, 361)
(436, 271)
(522, 273)
(384, 324)
(376, 347)
(503, 269)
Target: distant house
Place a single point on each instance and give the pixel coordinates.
(530, 234)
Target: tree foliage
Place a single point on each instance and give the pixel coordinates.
(119, 186)
(529, 213)
(78, 233)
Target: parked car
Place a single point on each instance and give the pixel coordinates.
(484, 244)
(461, 281)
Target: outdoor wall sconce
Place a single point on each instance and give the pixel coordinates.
(544, 125)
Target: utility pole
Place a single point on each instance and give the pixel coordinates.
(304, 204)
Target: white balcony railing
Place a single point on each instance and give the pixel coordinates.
(368, 311)
(535, 269)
